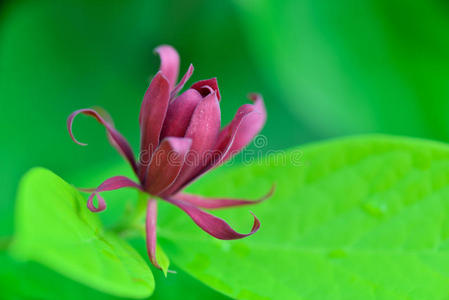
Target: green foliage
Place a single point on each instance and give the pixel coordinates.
(162, 259)
(54, 227)
(29, 280)
(348, 220)
(357, 218)
(356, 67)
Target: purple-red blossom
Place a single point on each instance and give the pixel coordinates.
(181, 139)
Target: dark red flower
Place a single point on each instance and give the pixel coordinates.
(181, 139)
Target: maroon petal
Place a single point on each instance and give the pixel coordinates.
(169, 63)
(116, 139)
(214, 203)
(179, 113)
(203, 130)
(152, 116)
(166, 163)
(202, 87)
(113, 183)
(183, 81)
(213, 225)
(150, 228)
(247, 123)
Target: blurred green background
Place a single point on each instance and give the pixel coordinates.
(325, 69)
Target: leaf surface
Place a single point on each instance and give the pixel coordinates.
(354, 218)
(55, 228)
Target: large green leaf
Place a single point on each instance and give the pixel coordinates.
(30, 280)
(54, 227)
(353, 67)
(356, 218)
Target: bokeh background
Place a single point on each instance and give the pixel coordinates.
(325, 68)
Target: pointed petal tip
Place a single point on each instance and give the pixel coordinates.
(270, 192)
(169, 63)
(254, 96)
(212, 225)
(190, 70)
(163, 47)
(212, 83)
(79, 143)
(183, 81)
(256, 225)
(161, 75)
(219, 203)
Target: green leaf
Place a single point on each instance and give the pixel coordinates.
(162, 259)
(30, 280)
(345, 67)
(355, 218)
(55, 228)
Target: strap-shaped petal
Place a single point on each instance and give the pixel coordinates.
(179, 113)
(203, 130)
(169, 63)
(216, 203)
(166, 164)
(183, 81)
(214, 226)
(247, 123)
(110, 184)
(152, 116)
(204, 86)
(115, 138)
(150, 228)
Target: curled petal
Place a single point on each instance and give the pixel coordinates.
(113, 183)
(203, 130)
(116, 139)
(215, 203)
(150, 228)
(169, 63)
(166, 164)
(183, 81)
(204, 86)
(179, 114)
(247, 123)
(101, 203)
(152, 116)
(214, 226)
